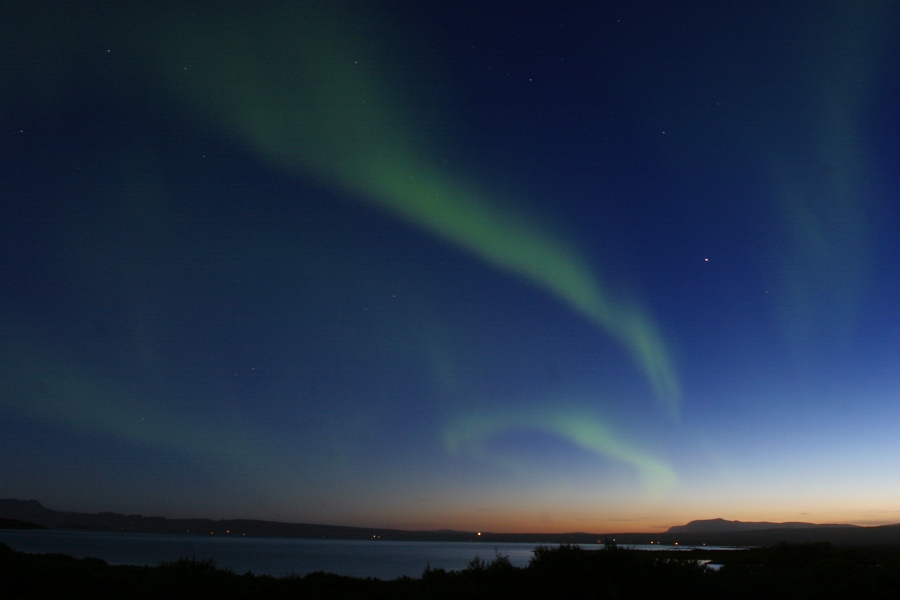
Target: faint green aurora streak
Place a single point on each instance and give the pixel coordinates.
(39, 383)
(822, 185)
(580, 428)
(302, 90)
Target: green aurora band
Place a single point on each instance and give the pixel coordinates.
(303, 91)
(306, 93)
(38, 383)
(580, 428)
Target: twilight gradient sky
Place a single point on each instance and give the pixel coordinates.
(594, 266)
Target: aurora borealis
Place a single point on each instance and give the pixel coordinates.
(598, 267)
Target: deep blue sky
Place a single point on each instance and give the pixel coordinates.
(601, 266)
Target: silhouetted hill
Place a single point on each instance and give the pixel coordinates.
(721, 525)
(34, 512)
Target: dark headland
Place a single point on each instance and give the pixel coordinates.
(712, 532)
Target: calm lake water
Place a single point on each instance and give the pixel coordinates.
(273, 556)
(268, 556)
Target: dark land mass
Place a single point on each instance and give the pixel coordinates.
(17, 524)
(721, 526)
(716, 532)
(782, 571)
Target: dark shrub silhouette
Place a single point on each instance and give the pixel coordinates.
(783, 571)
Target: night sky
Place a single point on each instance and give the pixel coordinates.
(561, 266)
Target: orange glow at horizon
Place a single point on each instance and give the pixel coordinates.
(649, 517)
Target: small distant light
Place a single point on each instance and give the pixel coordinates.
(479, 533)
(705, 260)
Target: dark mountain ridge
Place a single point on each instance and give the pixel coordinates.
(721, 525)
(712, 532)
(33, 511)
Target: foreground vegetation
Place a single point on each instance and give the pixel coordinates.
(783, 571)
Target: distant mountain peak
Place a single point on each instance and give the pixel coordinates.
(720, 525)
